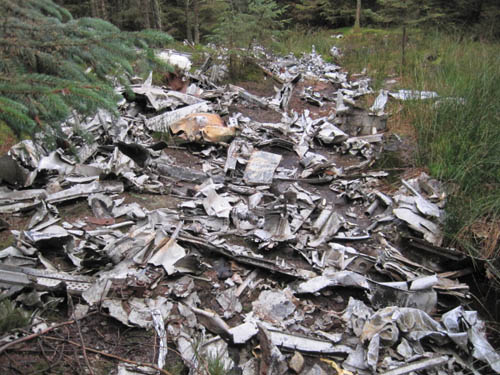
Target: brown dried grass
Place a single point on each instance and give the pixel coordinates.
(486, 233)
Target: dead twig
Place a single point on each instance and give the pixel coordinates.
(270, 74)
(11, 366)
(38, 334)
(75, 352)
(77, 360)
(44, 355)
(113, 356)
(87, 362)
(53, 362)
(154, 345)
(118, 341)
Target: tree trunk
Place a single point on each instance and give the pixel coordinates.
(93, 8)
(156, 15)
(145, 6)
(357, 25)
(120, 6)
(101, 9)
(189, 34)
(196, 26)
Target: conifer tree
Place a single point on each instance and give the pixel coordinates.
(337, 13)
(309, 12)
(409, 12)
(51, 64)
(243, 21)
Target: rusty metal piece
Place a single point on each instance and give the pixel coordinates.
(100, 220)
(203, 127)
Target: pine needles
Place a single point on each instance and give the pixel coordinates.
(11, 317)
(51, 64)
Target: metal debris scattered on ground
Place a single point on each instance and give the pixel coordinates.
(276, 240)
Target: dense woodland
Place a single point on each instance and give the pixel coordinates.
(199, 20)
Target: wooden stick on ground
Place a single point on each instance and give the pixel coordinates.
(87, 362)
(34, 335)
(41, 333)
(113, 356)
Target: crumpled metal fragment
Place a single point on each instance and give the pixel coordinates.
(203, 127)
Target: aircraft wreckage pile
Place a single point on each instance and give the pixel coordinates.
(282, 246)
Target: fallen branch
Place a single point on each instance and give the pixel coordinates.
(268, 73)
(87, 362)
(113, 356)
(38, 334)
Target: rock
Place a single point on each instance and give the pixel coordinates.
(12, 173)
(316, 370)
(297, 362)
(273, 306)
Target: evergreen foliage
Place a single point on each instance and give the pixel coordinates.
(409, 12)
(266, 19)
(308, 12)
(339, 12)
(11, 317)
(242, 22)
(332, 13)
(181, 17)
(51, 64)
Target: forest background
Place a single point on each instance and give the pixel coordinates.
(199, 20)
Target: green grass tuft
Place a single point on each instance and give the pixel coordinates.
(216, 366)
(11, 317)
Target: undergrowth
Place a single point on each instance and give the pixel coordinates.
(243, 68)
(300, 41)
(216, 366)
(459, 140)
(458, 136)
(11, 317)
(210, 362)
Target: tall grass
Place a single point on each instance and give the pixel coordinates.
(300, 40)
(458, 137)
